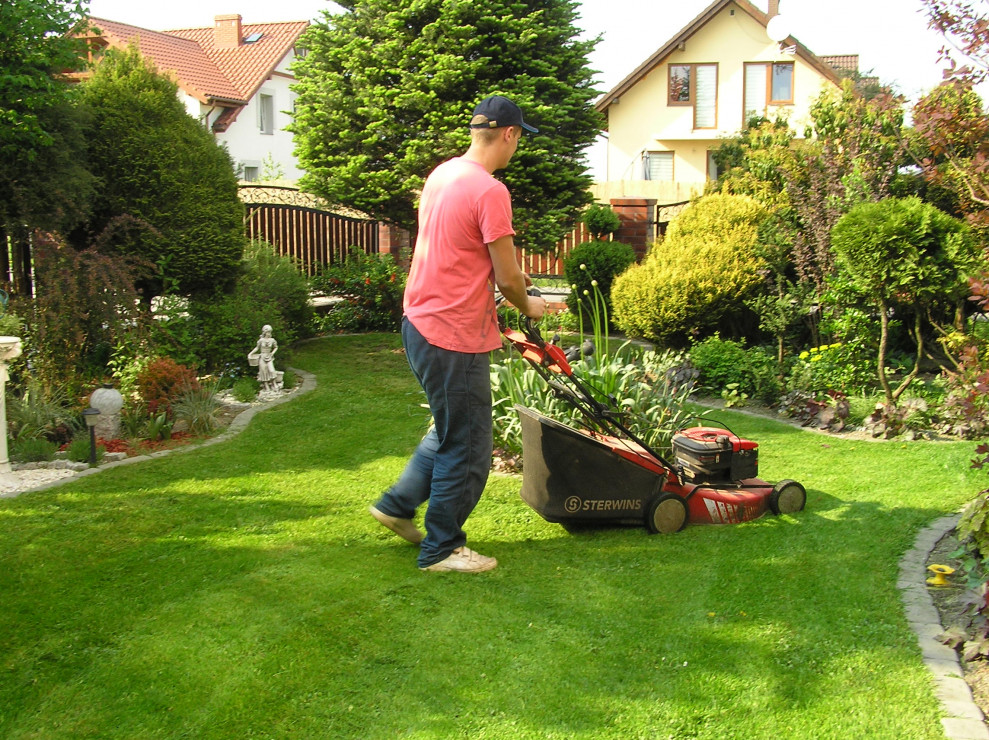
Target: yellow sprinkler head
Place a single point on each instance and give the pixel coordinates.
(939, 571)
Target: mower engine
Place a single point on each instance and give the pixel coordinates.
(713, 455)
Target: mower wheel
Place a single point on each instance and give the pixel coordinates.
(787, 497)
(667, 514)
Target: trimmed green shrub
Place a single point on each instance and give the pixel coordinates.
(724, 364)
(168, 191)
(79, 448)
(245, 389)
(703, 270)
(600, 220)
(599, 261)
(32, 449)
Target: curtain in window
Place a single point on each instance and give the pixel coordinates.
(755, 90)
(705, 109)
(658, 166)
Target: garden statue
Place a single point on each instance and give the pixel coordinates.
(263, 356)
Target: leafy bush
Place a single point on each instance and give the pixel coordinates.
(372, 287)
(32, 449)
(162, 382)
(597, 261)
(86, 303)
(219, 330)
(601, 220)
(725, 364)
(79, 448)
(832, 367)
(161, 168)
(245, 389)
(704, 269)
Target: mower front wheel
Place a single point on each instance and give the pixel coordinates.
(787, 497)
(667, 514)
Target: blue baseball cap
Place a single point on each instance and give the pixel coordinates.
(497, 111)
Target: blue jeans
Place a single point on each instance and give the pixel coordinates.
(450, 466)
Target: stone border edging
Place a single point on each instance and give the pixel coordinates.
(235, 427)
(965, 720)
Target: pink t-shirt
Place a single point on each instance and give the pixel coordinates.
(449, 296)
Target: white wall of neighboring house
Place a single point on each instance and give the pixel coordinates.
(249, 146)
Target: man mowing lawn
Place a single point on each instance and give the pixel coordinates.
(464, 248)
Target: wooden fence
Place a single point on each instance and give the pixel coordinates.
(314, 237)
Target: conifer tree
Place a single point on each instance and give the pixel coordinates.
(168, 191)
(386, 90)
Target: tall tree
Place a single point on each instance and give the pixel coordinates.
(386, 90)
(951, 119)
(45, 183)
(167, 192)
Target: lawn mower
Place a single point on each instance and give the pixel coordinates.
(603, 474)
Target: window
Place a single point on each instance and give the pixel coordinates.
(657, 166)
(266, 113)
(765, 85)
(696, 85)
(680, 84)
(251, 173)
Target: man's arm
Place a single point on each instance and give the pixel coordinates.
(511, 280)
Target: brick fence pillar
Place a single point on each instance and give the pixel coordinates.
(637, 228)
(395, 241)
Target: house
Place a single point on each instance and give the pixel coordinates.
(233, 77)
(666, 118)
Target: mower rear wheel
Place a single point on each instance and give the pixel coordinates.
(787, 497)
(667, 514)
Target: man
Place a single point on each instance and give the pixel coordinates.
(464, 248)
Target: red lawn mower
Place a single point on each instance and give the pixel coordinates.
(605, 474)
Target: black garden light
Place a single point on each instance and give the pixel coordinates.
(90, 415)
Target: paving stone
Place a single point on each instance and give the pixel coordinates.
(964, 729)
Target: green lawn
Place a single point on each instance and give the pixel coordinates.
(242, 591)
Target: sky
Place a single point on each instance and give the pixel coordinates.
(890, 36)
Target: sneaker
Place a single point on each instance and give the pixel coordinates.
(464, 560)
(404, 528)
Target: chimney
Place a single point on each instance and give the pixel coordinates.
(226, 31)
(774, 8)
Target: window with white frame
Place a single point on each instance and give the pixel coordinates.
(266, 113)
(657, 166)
(767, 84)
(695, 85)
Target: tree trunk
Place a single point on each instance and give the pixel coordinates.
(20, 250)
(916, 362)
(883, 340)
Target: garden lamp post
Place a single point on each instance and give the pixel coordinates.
(90, 415)
(10, 348)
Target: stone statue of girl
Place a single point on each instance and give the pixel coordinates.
(263, 355)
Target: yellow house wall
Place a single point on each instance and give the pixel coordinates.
(642, 121)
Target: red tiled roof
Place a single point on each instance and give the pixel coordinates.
(842, 62)
(206, 72)
(247, 65)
